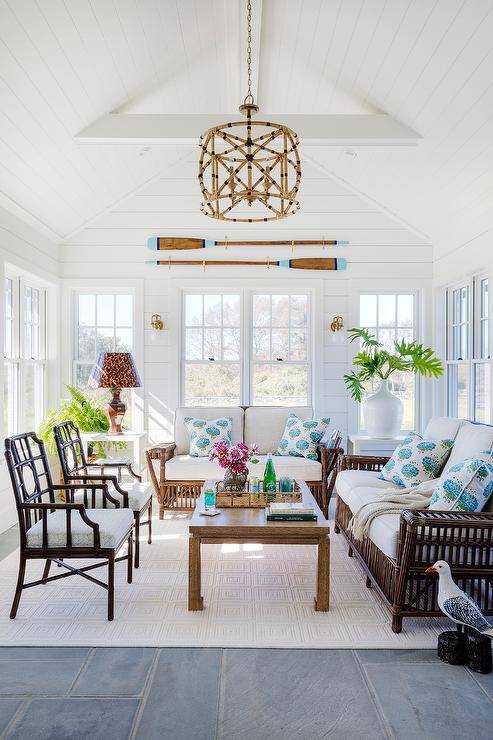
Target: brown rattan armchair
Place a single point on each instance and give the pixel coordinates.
(463, 539)
(57, 531)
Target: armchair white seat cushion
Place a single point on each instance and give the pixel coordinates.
(185, 467)
(113, 525)
(264, 425)
(384, 529)
(139, 495)
(182, 438)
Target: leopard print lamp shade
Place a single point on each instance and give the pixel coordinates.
(115, 370)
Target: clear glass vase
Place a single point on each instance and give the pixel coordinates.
(234, 481)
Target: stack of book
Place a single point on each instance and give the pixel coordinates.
(290, 512)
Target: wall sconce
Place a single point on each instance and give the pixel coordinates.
(157, 322)
(337, 334)
(336, 324)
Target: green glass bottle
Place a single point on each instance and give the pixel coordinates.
(269, 476)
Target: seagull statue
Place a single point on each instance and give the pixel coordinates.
(457, 605)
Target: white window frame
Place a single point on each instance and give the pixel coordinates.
(473, 323)
(184, 361)
(114, 291)
(19, 362)
(416, 337)
(246, 336)
(309, 352)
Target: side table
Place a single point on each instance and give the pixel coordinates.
(358, 442)
(136, 440)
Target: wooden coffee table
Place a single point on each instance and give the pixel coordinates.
(249, 525)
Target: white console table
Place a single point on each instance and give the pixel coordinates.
(136, 440)
(359, 442)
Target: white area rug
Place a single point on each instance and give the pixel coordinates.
(254, 596)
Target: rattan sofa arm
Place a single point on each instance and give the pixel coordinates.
(362, 462)
(443, 519)
(165, 450)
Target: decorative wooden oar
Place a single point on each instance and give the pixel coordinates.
(306, 263)
(162, 243)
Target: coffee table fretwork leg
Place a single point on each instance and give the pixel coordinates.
(323, 566)
(195, 600)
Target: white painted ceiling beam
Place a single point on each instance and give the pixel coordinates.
(127, 129)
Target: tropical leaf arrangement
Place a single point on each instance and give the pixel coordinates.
(86, 413)
(373, 361)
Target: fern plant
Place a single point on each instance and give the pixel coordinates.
(373, 361)
(86, 413)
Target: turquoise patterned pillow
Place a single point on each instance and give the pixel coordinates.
(204, 433)
(416, 460)
(466, 486)
(301, 438)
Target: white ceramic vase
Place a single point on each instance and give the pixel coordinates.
(383, 413)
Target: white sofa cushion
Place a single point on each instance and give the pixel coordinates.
(348, 480)
(471, 439)
(182, 439)
(264, 425)
(113, 525)
(138, 496)
(184, 467)
(443, 427)
(384, 529)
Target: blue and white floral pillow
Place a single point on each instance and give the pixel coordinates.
(204, 433)
(416, 460)
(466, 486)
(301, 438)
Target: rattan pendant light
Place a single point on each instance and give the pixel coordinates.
(249, 170)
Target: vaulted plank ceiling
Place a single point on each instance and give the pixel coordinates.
(66, 63)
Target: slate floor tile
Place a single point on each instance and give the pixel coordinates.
(43, 678)
(302, 694)
(76, 719)
(115, 672)
(183, 696)
(44, 653)
(431, 701)
(397, 656)
(8, 707)
(485, 680)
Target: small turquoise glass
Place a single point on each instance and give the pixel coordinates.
(286, 484)
(210, 499)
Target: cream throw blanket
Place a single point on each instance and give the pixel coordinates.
(390, 501)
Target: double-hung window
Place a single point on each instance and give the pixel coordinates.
(280, 366)
(468, 356)
(24, 355)
(391, 317)
(248, 347)
(212, 341)
(103, 323)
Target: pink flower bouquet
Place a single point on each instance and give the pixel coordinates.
(235, 457)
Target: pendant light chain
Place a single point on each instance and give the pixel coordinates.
(249, 98)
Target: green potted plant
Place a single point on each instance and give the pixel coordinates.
(86, 413)
(383, 411)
